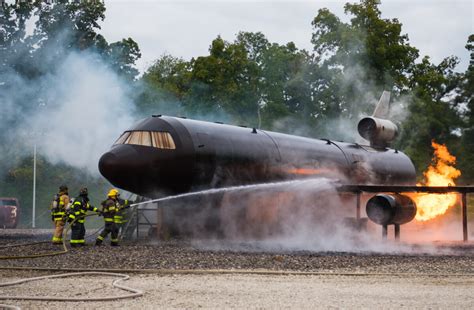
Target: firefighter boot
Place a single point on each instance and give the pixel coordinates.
(98, 242)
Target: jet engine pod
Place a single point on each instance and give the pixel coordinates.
(387, 209)
(380, 132)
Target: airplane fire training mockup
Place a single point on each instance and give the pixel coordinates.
(164, 155)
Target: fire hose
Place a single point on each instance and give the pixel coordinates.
(40, 242)
(64, 251)
(3, 306)
(133, 292)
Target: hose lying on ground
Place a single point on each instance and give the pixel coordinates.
(64, 251)
(134, 292)
(3, 306)
(23, 244)
(41, 242)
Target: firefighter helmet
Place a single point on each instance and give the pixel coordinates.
(63, 188)
(83, 191)
(113, 192)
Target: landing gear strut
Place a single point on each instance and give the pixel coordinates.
(396, 231)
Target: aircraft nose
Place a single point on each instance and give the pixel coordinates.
(125, 168)
(109, 164)
(145, 171)
(113, 167)
(119, 164)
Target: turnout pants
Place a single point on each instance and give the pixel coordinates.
(78, 231)
(58, 231)
(111, 228)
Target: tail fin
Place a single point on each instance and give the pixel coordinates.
(382, 109)
(378, 129)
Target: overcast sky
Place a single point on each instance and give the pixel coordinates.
(438, 28)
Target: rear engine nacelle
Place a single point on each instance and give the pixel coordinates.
(380, 132)
(387, 209)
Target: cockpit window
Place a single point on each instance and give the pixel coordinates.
(122, 138)
(158, 139)
(139, 138)
(163, 140)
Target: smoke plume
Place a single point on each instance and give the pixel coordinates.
(86, 108)
(73, 114)
(297, 215)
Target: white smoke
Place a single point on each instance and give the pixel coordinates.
(83, 111)
(399, 109)
(299, 215)
(305, 215)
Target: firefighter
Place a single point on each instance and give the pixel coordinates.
(77, 217)
(111, 211)
(58, 213)
(119, 218)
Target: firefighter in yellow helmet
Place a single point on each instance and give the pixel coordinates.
(77, 217)
(111, 211)
(59, 207)
(119, 217)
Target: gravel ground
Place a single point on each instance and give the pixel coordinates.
(439, 278)
(452, 258)
(255, 291)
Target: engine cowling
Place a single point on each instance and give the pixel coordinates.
(387, 209)
(380, 132)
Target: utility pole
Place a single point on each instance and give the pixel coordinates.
(33, 224)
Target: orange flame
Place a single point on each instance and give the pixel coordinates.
(310, 171)
(441, 173)
(304, 171)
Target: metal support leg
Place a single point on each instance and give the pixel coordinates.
(397, 232)
(137, 218)
(159, 224)
(358, 207)
(464, 216)
(384, 231)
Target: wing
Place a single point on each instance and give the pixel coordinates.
(381, 211)
(357, 188)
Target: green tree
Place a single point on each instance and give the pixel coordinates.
(164, 86)
(26, 62)
(433, 115)
(18, 180)
(122, 56)
(361, 58)
(466, 96)
(224, 81)
(281, 81)
(281, 87)
(367, 55)
(73, 26)
(251, 80)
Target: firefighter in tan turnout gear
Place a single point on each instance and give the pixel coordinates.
(59, 207)
(112, 209)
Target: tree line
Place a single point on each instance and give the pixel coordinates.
(258, 83)
(280, 87)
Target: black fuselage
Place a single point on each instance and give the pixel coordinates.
(210, 155)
